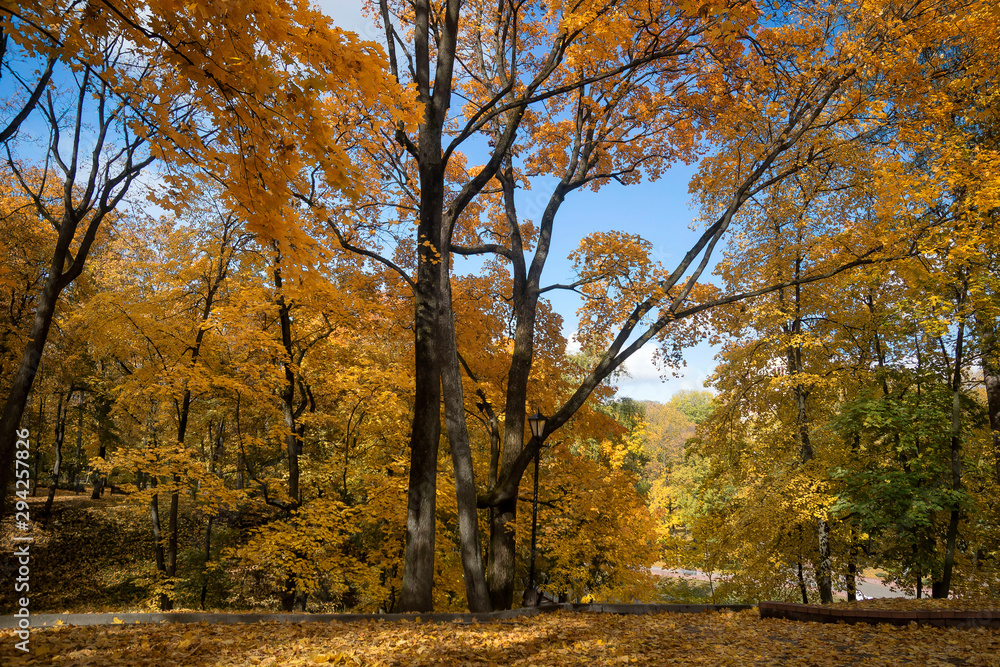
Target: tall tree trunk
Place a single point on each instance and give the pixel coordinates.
(98, 478)
(852, 566)
(501, 566)
(17, 397)
(38, 451)
(433, 248)
(428, 302)
(421, 507)
(175, 499)
(78, 458)
(943, 588)
(184, 407)
(920, 574)
(477, 594)
(166, 604)
(57, 445)
(991, 377)
(292, 444)
(803, 591)
(208, 559)
(241, 466)
(218, 442)
(824, 578)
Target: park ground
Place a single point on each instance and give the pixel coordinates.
(562, 638)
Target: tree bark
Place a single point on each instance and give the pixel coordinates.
(501, 566)
(942, 588)
(418, 557)
(292, 442)
(476, 592)
(98, 478)
(208, 559)
(78, 458)
(852, 567)
(991, 378)
(166, 604)
(17, 398)
(824, 578)
(57, 445)
(218, 442)
(213, 283)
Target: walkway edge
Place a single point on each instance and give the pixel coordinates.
(824, 614)
(51, 620)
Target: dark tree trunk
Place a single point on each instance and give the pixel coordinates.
(292, 441)
(208, 559)
(166, 603)
(17, 398)
(501, 566)
(477, 594)
(240, 471)
(218, 444)
(184, 407)
(824, 580)
(852, 567)
(431, 307)
(418, 558)
(802, 584)
(991, 377)
(502, 539)
(824, 577)
(942, 588)
(78, 459)
(920, 574)
(57, 445)
(175, 499)
(98, 478)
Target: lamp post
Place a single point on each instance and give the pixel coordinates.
(537, 424)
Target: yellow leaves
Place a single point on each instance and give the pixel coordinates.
(432, 252)
(548, 640)
(312, 548)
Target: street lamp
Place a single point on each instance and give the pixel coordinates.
(537, 424)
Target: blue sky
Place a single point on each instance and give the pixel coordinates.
(659, 212)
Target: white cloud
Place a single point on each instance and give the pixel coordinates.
(646, 384)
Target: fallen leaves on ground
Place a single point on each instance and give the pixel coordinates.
(723, 638)
(924, 604)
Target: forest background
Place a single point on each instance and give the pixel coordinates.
(236, 287)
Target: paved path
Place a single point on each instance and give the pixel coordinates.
(51, 620)
(870, 587)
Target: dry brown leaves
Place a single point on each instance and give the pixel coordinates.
(924, 604)
(725, 638)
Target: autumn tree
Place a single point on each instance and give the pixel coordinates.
(689, 70)
(146, 77)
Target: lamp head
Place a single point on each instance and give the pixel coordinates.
(537, 424)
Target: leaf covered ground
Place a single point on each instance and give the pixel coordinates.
(924, 604)
(562, 638)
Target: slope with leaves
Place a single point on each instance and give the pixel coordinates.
(550, 640)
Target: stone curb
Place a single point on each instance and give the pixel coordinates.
(943, 619)
(50, 620)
